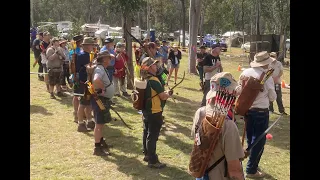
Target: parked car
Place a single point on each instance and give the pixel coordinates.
(246, 47)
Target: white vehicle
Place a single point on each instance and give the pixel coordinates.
(288, 44)
(246, 47)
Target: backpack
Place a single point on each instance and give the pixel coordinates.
(138, 94)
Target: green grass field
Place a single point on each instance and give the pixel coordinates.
(58, 151)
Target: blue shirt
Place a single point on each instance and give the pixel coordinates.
(78, 50)
(83, 59)
(164, 51)
(111, 51)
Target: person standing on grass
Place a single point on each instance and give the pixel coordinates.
(105, 90)
(120, 70)
(84, 108)
(228, 148)
(211, 66)
(75, 101)
(37, 57)
(66, 74)
(199, 66)
(276, 76)
(174, 57)
(54, 64)
(44, 45)
(155, 98)
(257, 118)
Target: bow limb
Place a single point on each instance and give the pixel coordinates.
(145, 47)
(112, 108)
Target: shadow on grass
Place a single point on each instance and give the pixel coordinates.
(39, 109)
(67, 100)
(190, 89)
(132, 166)
(177, 144)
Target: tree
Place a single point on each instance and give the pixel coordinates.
(183, 2)
(194, 17)
(127, 8)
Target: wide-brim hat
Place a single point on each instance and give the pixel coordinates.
(261, 59)
(148, 61)
(105, 53)
(78, 38)
(62, 41)
(223, 79)
(88, 41)
(54, 39)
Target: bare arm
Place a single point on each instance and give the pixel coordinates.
(210, 68)
(235, 170)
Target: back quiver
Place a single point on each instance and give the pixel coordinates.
(138, 94)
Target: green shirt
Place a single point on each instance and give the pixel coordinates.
(155, 104)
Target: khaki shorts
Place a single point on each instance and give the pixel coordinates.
(54, 76)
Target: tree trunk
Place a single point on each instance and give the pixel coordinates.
(130, 74)
(242, 19)
(258, 45)
(194, 17)
(183, 23)
(201, 24)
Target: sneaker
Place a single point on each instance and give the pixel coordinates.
(157, 165)
(146, 158)
(91, 124)
(258, 174)
(52, 96)
(105, 145)
(82, 127)
(98, 151)
(125, 94)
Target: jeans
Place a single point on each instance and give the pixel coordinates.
(205, 92)
(152, 124)
(257, 123)
(200, 70)
(277, 88)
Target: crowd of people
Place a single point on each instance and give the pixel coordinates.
(108, 72)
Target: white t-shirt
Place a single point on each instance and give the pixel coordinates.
(100, 72)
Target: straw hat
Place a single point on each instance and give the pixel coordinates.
(261, 59)
(223, 79)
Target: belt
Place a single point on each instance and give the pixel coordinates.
(259, 109)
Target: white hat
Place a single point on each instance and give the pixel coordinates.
(261, 59)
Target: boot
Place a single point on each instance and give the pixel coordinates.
(105, 145)
(98, 151)
(91, 124)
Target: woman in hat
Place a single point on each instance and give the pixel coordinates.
(120, 70)
(174, 57)
(66, 74)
